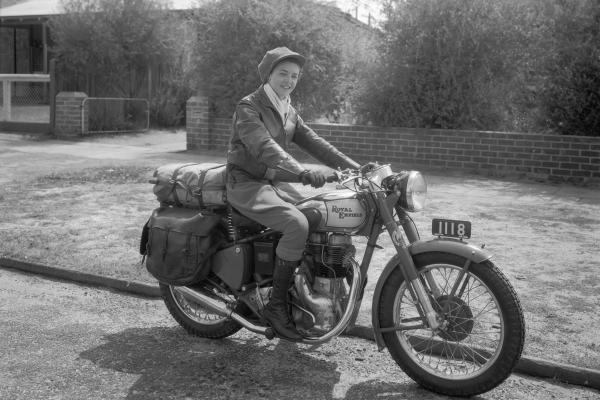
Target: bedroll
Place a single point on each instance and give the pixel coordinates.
(190, 185)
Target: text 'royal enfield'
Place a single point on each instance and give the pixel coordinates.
(448, 316)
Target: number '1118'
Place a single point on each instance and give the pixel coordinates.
(444, 225)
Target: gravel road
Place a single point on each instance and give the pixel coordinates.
(65, 341)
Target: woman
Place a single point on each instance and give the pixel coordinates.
(264, 125)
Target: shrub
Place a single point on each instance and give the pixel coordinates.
(232, 36)
(108, 48)
(451, 64)
(570, 96)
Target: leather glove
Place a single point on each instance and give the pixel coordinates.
(314, 178)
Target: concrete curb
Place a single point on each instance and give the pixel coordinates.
(531, 366)
(135, 288)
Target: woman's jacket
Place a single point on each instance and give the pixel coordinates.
(258, 148)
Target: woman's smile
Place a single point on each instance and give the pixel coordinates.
(284, 78)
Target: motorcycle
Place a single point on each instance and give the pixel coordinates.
(448, 316)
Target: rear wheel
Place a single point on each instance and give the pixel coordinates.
(196, 319)
(482, 327)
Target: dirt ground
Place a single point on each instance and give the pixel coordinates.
(64, 341)
(545, 237)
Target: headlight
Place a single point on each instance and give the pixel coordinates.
(412, 191)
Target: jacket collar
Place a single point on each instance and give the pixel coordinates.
(263, 98)
(264, 101)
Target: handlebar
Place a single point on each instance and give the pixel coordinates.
(332, 178)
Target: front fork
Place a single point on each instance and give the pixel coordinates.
(407, 265)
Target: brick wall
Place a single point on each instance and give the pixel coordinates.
(67, 118)
(557, 158)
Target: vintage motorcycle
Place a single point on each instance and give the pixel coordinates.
(448, 316)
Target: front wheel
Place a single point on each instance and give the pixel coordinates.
(482, 328)
(194, 318)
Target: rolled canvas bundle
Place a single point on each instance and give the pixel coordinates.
(190, 185)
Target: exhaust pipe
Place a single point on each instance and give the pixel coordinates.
(221, 308)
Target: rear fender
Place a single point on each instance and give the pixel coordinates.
(445, 245)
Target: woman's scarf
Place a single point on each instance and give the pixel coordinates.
(281, 105)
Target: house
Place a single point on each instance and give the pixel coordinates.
(25, 61)
(24, 36)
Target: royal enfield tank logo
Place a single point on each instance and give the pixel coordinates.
(346, 212)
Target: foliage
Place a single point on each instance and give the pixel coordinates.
(115, 44)
(447, 64)
(570, 97)
(232, 36)
(525, 65)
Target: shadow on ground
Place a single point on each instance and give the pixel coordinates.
(173, 365)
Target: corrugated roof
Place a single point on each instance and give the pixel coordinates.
(42, 8)
(31, 8)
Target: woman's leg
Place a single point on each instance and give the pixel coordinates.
(261, 202)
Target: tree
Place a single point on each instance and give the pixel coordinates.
(453, 64)
(232, 36)
(116, 44)
(570, 96)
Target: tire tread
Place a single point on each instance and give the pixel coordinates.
(514, 335)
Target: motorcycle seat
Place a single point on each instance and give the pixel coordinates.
(241, 221)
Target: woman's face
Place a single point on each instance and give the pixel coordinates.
(284, 78)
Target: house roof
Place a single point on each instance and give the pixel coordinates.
(31, 9)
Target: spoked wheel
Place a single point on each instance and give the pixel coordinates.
(194, 318)
(482, 329)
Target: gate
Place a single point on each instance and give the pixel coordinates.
(114, 115)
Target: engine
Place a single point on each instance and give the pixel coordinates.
(321, 293)
(331, 253)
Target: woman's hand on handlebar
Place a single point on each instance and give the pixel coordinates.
(332, 178)
(314, 178)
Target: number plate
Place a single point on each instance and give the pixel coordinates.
(451, 227)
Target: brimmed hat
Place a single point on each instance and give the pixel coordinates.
(274, 57)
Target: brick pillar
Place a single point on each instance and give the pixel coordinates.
(68, 114)
(198, 123)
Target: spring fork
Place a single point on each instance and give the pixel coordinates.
(409, 271)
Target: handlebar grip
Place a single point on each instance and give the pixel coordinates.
(331, 178)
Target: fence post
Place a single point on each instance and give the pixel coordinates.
(198, 123)
(6, 95)
(68, 120)
(52, 93)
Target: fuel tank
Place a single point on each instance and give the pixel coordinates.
(341, 211)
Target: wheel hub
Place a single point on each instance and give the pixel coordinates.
(457, 317)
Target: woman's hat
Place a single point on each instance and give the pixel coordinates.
(274, 57)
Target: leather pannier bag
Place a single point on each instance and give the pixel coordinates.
(179, 243)
(190, 185)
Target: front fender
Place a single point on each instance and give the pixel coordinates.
(445, 245)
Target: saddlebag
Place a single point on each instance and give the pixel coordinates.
(190, 185)
(179, 243)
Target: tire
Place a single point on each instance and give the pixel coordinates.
(484, 330)
(195, 319)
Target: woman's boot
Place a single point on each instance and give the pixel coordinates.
(276, 312)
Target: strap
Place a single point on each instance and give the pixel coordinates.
(174, 183)
(164, 252)
(198, 193)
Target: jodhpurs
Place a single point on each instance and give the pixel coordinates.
(270, 204)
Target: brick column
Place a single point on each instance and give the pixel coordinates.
(198, 125)
(68, 114)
